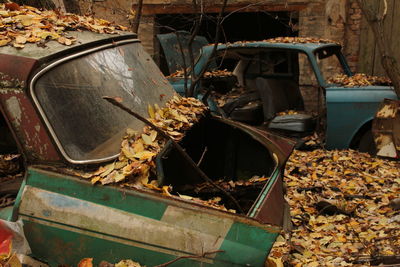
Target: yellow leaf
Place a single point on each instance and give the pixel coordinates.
(127, 263)
(108, 169)
(17, 45)
(272, 262)
(4, 13)
(128, 170)
(128, 152)
(144, 155)
(165, 190)
(45, 34)
(4, 42)
(185, 197)
(150, 109)
(25, 20)
(95, 179)
(20, 39)
(147, 139)
(86, 262)
(119, 176)
(153, 135)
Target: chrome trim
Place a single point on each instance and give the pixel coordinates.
(42, 113)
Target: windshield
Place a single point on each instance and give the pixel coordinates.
(87, 127)
(328, 60)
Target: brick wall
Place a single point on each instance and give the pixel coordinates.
(338, 20)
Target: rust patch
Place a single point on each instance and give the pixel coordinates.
(386, 129)
(15, 70)
(8, 82)
(28, 130)
(388, 110)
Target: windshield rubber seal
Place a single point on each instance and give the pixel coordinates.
(42, 113)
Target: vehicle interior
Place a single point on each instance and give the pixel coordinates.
(265, 87)
(222, 153)
(11, 166)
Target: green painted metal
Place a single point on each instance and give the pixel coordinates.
(70, 247)
(240, 242)
(246, 242)
(263, 195)
(14, 215)
(104, 195)
(6, 213)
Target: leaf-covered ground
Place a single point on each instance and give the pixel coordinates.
(344, 210)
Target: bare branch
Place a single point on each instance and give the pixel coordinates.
(196, 78)
(138, 15)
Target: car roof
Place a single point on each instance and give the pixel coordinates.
(306, 47)
(33, 51)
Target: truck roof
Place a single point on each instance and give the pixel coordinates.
(277, 44)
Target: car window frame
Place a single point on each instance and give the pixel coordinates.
(42, 112)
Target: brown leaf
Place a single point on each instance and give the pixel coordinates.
(86, 262)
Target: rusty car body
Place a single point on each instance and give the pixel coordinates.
(386, 129)
(51, 101)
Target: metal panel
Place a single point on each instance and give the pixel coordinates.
(170, 45)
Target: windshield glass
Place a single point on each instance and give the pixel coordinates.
(329, 63)
(70, 95)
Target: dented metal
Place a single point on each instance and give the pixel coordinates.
(67, 218)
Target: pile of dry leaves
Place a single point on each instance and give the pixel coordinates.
(177, 74)
(217, 73)
(139, 149)
(207, 74)
(88, 262)
(136, 167)
(344, 211)
(25, 24)
(11, 176)
(359, 79)
(300, 40)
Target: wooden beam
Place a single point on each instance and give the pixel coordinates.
(155, 9)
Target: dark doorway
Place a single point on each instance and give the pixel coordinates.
(245, 26)
(237, 26)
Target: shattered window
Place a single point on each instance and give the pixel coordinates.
(70, 94)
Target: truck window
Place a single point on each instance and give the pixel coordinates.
(329, 63)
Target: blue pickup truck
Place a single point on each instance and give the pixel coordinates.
(285, 84)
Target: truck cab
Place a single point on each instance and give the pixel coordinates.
(285, 84)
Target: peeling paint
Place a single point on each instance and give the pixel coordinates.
(388, 111)
(7, 81)
(386, 147)
(15, 109)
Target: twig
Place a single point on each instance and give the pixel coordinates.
(202, 156)
(138, 16)
(185, 73)
(384, 10)
(195, 77)
(189, 257)
(115, 101)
